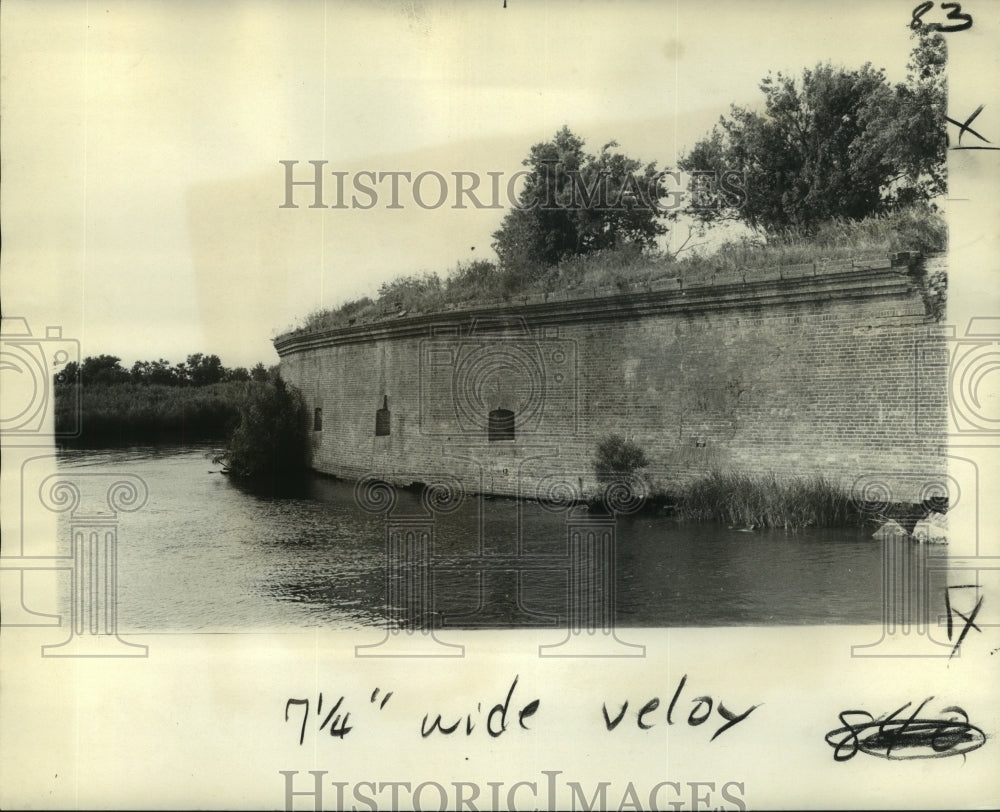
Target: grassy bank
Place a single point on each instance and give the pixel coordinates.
(126, 412)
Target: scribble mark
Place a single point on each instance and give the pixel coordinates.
(964, 127)
(895, 738)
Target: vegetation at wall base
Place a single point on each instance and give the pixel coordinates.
(616, 455)
(748, 501)
(271, 439)
(617, 465)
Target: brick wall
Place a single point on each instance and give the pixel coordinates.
(799, 372)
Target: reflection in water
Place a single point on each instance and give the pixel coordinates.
(208, 552)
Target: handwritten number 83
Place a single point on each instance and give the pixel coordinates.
(954, 13)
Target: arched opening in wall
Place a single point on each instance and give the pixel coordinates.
(501, 425)
(317, 419)
(382, 419)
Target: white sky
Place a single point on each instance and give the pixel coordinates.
(141, 141)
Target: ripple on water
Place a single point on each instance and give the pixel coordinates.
(208, 553)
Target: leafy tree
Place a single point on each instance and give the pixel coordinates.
(199, 370)
(574, 203)
(153, 372)
(205, 369)
(160, 372)
(139, 372)
(908, 128)
(181, 373)
(103, 369)
(68, 374)
(836, 143)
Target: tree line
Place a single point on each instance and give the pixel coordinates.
(198, 370)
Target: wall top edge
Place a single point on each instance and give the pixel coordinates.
(753, 288)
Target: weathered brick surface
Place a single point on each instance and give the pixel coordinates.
(812, 374)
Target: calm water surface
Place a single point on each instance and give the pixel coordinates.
(210, 553)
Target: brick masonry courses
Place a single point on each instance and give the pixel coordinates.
(801, 370)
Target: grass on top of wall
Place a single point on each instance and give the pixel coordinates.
(750, 501)
(917, 229)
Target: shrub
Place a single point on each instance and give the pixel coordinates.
(617, 464)
(271, 438)
(615, 456)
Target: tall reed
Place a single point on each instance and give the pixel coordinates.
(127, 412)
(746, 500)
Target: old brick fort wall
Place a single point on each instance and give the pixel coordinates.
(803, 370)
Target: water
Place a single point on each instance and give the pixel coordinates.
(210, 553)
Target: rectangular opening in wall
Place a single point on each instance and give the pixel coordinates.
(317, 420)
(501, 426)
(382, 419)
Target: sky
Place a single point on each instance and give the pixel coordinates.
(142, 185)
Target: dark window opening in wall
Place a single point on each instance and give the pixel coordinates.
(317, 420)
(382, 424)
(501, 425)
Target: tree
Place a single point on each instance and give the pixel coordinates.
(69, 374)
(102, 369)
(908, 128)
(181, 373)
(259, 373)
(205, 369)
(162, 373)
(574, 203)
(837, 143)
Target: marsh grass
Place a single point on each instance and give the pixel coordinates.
(749, 501)
(126, 412)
